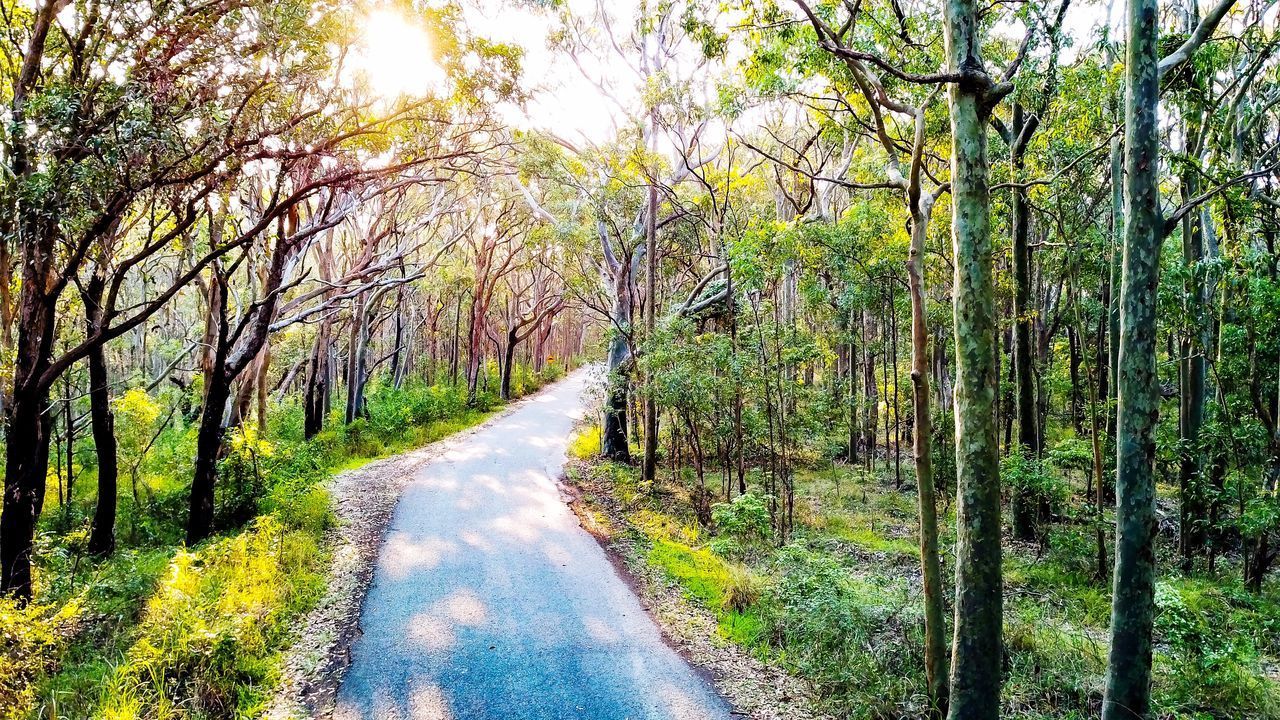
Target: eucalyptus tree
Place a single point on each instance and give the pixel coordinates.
(75, 179)
(906, 155)
(1024, 121)
(138, 126)
(1128, 693)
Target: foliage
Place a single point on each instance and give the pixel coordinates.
(31, 638)
(844, 634)
(206, 643)
(585, 443)
(741, 524)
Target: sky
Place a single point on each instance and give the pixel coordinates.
(565, 97)
(565, 101)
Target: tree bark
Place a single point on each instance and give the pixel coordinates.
(1025, 504)
(102, 536)
(977, 649)
(1128, 692)
(935, 658)
(217, 392)
(1192, 366)
(649, 469)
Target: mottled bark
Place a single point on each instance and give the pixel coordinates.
(1128, 693)
(977, 647)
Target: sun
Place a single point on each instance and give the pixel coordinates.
(394, 57)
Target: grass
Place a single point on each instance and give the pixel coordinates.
(729, 590)
(840, 604)
(165, 632)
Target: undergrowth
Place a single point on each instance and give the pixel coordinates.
(839, 603)
(161, 631)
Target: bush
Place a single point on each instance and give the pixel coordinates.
(742, 524)
(859, 644)
(243, 476)
(1205, 671)
(585, 444)
(206, 641)
(31, 638)
(1024, 474)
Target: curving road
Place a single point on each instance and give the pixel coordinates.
(489, 600)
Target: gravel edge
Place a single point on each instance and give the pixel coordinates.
(364, 502)
(757, 689)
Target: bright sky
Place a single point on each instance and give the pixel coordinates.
(568, 103)
(563, 98)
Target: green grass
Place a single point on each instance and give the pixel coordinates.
(159, 631)
(726, 589)
(840, 605)
(210, 635)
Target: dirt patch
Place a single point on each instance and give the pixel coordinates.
(757, 689)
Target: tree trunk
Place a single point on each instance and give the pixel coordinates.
(315, 405)
(356, 365)
(509, 361)
(1261, 555)
(935, 659)
(102, 536)
(208, 452)
(870, 394)
(1128, 693)
(1192, 367)
(977, 650)
(649, 469)
(26, 469)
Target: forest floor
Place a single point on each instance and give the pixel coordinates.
(838, 606)
(486, 597)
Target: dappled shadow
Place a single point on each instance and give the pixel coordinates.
(489, 601)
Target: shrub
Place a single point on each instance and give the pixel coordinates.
(206, 640)
(1206, 671)
(1024, 474)
(859, 644)
(585, 443)
(243, 476)
(31, 638)
(742, 524)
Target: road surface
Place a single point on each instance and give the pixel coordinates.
(490, 601)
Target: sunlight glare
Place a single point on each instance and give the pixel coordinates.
(394, 57)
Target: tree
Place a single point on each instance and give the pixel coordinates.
(977, 648)
(1128, 692)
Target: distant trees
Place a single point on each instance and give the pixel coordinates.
(157, 148)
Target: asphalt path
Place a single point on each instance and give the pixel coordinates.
(490, 601)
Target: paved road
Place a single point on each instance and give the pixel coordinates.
(489, 600)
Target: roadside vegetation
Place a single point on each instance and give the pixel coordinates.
(163, 630)
(839, 603)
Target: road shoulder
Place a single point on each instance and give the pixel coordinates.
(754, 688)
